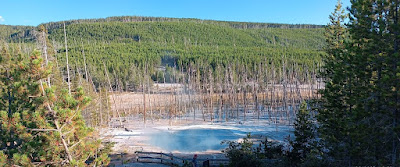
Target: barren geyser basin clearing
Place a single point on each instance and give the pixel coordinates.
(177, 121)
(193, 138)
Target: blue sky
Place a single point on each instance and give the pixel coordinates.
(34, 12)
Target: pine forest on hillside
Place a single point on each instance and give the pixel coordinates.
(215, 63)
(112, 91)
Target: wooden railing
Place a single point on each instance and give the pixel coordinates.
(169, 158)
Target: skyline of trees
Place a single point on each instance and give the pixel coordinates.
(353, 122)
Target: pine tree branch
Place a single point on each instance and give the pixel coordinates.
(66, 133)
(71, 147)
(42, 130)
(63, 141)
(70, 119)
(58, 127)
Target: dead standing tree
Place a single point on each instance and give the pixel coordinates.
(66, 57)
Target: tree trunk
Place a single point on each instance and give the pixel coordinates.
(66, 57)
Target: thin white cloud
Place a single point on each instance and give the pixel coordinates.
(2, 19)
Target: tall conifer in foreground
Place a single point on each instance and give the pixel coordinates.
(375, 29)
(39, 126)
(359, 116)
(336, 100)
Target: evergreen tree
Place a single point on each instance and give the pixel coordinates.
(304, 136)
(374, 27)
(17, 107)
(337, 99)
(39, 126)
(360, 104)
(242, 153)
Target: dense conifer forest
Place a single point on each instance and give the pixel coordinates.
(122, 43)
(336, 87)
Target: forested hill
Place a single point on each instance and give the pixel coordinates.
(18, 33)
(125, 44)
(241, 25)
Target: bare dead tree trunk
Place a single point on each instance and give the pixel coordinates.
(284, 78)
(148, 91)
(84, 62)
(66, 56)
(44, 43)
(113, 96)
(101, 108)
(144, 99)
(211, 94)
